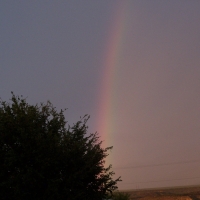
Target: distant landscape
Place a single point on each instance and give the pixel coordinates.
(174, 193)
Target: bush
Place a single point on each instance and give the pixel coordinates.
(120, 196)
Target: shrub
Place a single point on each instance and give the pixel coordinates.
(120, 196)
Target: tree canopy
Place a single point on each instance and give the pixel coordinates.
(42, 157)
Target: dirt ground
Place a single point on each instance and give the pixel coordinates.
(167, 198)
(177, 193)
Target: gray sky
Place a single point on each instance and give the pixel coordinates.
(133, 65)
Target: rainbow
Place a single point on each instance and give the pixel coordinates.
(105, 124)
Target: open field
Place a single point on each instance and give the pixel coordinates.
(175, 193)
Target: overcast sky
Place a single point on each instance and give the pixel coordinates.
(132, 65)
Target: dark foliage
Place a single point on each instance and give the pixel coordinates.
(41, 158)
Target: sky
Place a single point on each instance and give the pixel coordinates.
(132, 65)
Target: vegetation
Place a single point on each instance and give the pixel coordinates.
(43, 158)
(121, 196)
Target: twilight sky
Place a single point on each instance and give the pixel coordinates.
(132, 65)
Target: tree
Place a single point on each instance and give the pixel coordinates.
(43, 158)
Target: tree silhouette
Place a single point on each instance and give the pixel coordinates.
(43, 158)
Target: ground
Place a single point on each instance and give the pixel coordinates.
(177, 193)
